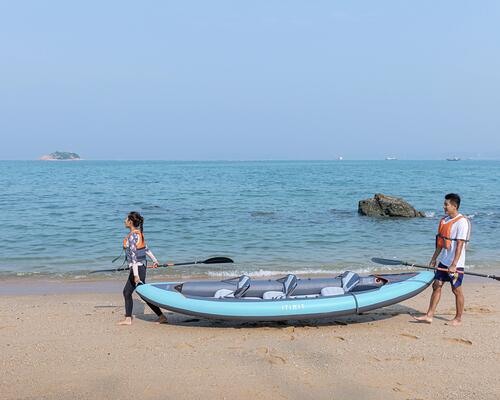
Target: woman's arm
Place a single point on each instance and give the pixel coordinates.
(150, 254)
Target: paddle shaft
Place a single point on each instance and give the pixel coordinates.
(439, 269)
(387, 261)
(214, 260)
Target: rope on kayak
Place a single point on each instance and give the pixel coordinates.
(355, 301)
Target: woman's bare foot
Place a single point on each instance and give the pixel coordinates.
(126, 321)
(424, 318)
(161, 319)
(454, 322)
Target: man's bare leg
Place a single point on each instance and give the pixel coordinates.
(435, 297)
(459, 301)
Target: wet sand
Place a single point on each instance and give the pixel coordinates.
(66, 345)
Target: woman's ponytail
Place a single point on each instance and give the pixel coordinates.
(137, 220)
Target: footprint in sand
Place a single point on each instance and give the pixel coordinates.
(270, 357)
(479, 309)
(416, 359)
(339, 338)
(408, 335)
(183, 346)
(459, 340)
(275, 359)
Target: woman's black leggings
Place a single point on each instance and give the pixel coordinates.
(129, 289)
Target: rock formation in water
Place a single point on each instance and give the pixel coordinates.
(387, 206)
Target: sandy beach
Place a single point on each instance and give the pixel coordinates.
(67, 346)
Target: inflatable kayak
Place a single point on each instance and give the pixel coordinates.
(247, 299)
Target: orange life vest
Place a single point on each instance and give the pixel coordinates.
(141, 245)
(443, 237)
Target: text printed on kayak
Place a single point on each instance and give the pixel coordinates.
(292, 307)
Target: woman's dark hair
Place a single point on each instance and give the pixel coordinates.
(136, 219)
(453, 198)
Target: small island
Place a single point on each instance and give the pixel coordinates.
(60, 155)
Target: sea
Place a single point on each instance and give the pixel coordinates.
(65, 219)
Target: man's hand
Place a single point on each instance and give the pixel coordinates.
(137, 280)
(452, 269)
(155, 265)
(432, 263)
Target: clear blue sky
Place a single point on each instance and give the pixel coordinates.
(250, 80)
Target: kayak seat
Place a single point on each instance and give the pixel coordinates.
(223, 293)
(349, 279)
(289, 284)
(332, 291)
(273, 295)
(242, 286)
(305, 296)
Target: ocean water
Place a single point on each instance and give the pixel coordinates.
(66, 218)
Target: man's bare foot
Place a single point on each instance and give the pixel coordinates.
(454, 322)
(161, 319)
(126, 321)
(424, 318)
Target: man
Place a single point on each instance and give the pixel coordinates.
(453, 234)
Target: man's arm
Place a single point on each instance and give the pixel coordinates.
(456, 257)
(432, 263)
(462, 234)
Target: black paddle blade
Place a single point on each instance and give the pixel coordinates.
(217, 260)
(386, 261)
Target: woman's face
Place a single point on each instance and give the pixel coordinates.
(128, 223)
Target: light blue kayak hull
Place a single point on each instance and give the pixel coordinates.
(284, 309)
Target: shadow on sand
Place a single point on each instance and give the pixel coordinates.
(364, 318)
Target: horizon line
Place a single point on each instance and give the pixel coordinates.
(258, 159)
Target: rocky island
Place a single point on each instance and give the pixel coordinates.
(60, 155)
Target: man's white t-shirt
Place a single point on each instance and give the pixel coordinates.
(459, 230)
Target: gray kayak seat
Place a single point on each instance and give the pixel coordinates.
(305, 296)
(349, 280)
(305, 286)
(224, 293)
(242, 286)
(332, 291)
(272, 295)
(289, 284)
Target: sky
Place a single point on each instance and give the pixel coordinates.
(261, 79)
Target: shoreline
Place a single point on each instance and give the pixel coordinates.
(43, 285)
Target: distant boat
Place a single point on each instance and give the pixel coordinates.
(340, 158)
(453, 159)
(390, 158)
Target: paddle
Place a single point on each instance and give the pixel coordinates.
(213, 260)
(385, 261)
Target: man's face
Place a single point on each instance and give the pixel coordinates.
(449, 208)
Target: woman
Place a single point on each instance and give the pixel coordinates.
(136, 252)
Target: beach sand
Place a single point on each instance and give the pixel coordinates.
(67, 346)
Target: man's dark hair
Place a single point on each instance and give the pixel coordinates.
(453, 198)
